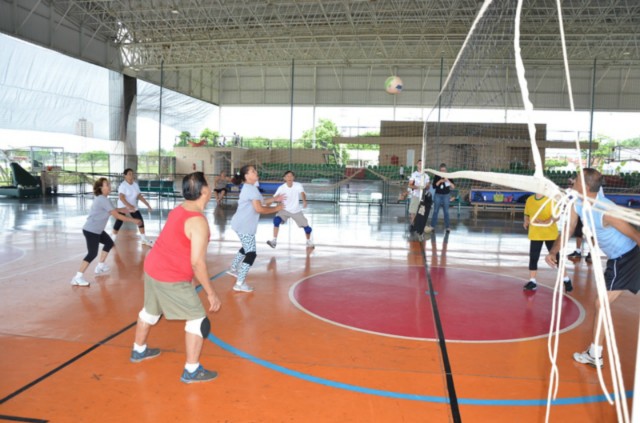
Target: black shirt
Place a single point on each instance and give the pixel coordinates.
(440, 188)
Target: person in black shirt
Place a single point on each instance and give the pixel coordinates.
(441, 199)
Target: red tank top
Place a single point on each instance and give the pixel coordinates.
(170, 258)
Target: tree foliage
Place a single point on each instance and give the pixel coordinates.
(210, 135)
(325, 131)
(93, 156)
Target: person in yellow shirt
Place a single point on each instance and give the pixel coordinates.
(541, 231)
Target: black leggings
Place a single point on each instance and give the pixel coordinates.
(136, 215)
(93, 243)
(535, 247)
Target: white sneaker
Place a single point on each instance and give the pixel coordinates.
(243, 287)
(232, 272)
(310, 243)
(147, 242)
(101, 269)
(271, 244)
(79, 281)
(586, 358)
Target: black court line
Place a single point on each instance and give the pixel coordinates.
(77, 357)
(65, 364)
(22, 419)
(453, 398)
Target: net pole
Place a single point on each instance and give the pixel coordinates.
(293, 68)
(160, 118)
(593, 104)
(439, 110)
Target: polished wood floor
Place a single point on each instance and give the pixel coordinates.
(345, 332)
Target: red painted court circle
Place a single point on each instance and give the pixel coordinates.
(474, 306)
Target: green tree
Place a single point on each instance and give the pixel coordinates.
(551, 163)
(93, 157)
(184, 136)
(325, 131)
(210, 136)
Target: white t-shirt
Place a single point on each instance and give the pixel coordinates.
(292, 201)
(419, 180)
(131, 192)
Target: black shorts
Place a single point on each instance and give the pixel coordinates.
(578, 232)
(219, 190)
(623, 273)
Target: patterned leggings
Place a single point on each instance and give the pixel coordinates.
(248, 246)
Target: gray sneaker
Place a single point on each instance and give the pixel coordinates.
(137, 357)
(271, 243)
(232, 272)
(200, 375)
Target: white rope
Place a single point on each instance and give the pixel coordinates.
(524, 91)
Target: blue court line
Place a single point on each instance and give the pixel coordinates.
(399, 395)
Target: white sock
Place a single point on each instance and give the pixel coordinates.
(274, 240)
(191, 367)
(567, 278)
(139, 348)
(79, 274)
(578, 250)
(592, 350)
(533, 280)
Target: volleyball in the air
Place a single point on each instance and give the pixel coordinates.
(393, 85)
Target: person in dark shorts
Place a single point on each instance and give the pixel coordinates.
(128, 196)
(619, 240)
(220, 186)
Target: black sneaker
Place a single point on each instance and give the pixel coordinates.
(531, 286)
(588, 258)
(575, 255)
(568, 286)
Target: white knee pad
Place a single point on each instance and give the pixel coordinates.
(198, 327)
(148, 318)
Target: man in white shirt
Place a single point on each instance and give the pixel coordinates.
(419, 183)
(293, 192)
(128, 196)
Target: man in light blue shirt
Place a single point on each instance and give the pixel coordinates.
(617, 239)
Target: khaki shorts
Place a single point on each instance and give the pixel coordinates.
(299, 218)
(177, 301)
(414, 204)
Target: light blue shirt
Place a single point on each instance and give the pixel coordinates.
(611, 241)
(245, 221)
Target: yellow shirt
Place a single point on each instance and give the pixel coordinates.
(540, 233)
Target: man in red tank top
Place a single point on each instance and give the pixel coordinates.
(176, 259)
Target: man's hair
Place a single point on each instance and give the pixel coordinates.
(97, 186)
(592, 179)
(443, 165)
(127, 170)
(192, 185)
(289, 172)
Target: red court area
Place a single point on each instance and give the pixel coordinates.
(473, 305)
